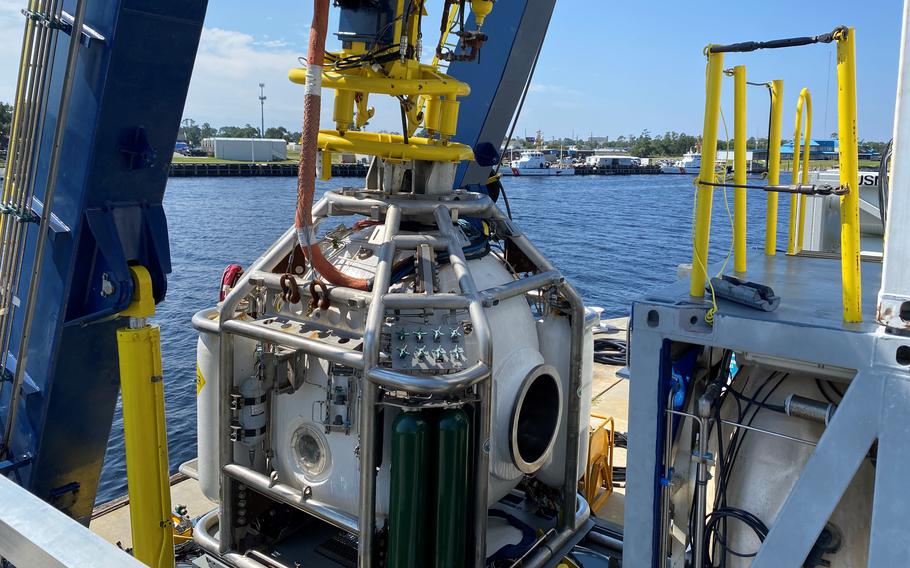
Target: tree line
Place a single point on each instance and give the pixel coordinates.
(195, 133)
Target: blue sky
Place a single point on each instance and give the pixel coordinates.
(607, 67)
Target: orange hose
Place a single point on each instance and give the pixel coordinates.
(306, 173)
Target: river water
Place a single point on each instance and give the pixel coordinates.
(614, 237)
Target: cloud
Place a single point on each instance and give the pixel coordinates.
(551, 89)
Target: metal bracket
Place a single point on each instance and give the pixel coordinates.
(9, 466)
(65, 24)
(21, 214)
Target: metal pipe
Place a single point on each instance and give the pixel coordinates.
(894, 295)
(411, 242)
(337, 294)
(484, 344)
(291, 496)
(327, 351)
(205, 321)
(549, 548)
(369, 392)
(466, 203)
(777, 108)
(705, 193)
(604, 540)
(41, 245)
(739, 168)
(226, 371)
(492, 296)
(437, 384)
(573, 410)
(203, 536)
(701, 491)
(416, 301)
(804, 179)
(752, 428)
(851, 264)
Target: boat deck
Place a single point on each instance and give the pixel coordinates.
(111, 521)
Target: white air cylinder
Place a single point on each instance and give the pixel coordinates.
(208, 386)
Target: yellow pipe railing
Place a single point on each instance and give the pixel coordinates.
(739, 168)
(777, 111)
(849, 176)
(800, 173)
(705, 193)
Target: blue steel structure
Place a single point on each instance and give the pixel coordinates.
(516, 32)
(124, 115)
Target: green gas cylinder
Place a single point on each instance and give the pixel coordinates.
(452, 485)
(408, 519)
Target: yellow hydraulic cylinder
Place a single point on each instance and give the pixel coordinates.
(739, 168)
(849, 176)
(713, 80)
(800, 173)
(777, 107)
(142, 389)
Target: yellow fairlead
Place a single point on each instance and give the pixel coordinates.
(704, 200)
(142, 388)
(800, 173)
(849, 175)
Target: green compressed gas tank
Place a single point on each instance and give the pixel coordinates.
(452, 485)
(408, 530)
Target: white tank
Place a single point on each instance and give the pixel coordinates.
(208, 385)
(555, 332)
(327, 463)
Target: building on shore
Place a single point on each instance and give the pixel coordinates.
(247, 149)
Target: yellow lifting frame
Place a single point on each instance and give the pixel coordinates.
(800, 173)
(705, 193)
(739, 168)
(849, 176)
(392, 146)
(142, 390)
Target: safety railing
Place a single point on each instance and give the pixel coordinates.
(799, 188)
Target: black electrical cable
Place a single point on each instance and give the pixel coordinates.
(608, 351)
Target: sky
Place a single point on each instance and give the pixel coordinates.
(607, 68)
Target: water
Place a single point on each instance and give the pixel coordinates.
(614, 237)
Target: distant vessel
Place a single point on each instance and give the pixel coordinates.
(533, 163)
(690, 164)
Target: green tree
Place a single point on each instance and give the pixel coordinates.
(248, 131)
(279, 133)
(6, 119)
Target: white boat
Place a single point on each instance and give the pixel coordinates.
(690, 164)
(533, 163)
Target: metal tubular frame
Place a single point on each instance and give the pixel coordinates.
(479, 375)
(800, 173)
(739, 168)
(894, 295)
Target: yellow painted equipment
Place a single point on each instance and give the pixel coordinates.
(142, 387)
(849, 176)
(392, 146)
(705, 193)
(777, 113)
(739, 168)
(800, 173)
(597, 484)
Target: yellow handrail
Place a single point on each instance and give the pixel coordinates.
(800, 174)
(849, 176)
(777, 111)
(713, 80)
(739, 168)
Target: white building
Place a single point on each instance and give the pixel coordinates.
(247, 149)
